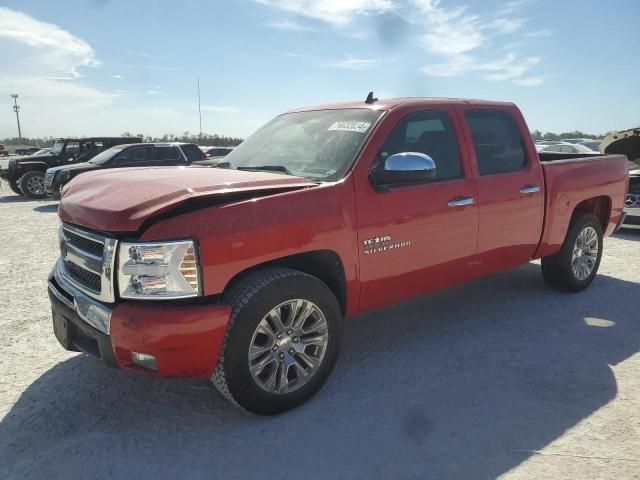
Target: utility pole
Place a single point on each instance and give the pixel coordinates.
(199, 110)
(16, 108)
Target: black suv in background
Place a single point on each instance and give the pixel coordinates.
(26, 174)
(134, 155)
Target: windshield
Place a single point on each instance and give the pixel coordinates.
(105, 156)
(57, 148)
(320, 145)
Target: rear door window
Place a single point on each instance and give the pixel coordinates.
(166, 153)
(497, 141)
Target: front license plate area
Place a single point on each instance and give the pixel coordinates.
(61, 330)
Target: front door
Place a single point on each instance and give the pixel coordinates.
(418, 238)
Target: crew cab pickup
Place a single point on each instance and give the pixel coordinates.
(244, 273)
(121, 156)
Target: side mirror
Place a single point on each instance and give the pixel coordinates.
(405, 168)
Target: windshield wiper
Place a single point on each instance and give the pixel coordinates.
(268, 168)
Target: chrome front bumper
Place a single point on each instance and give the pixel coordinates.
(94, 313)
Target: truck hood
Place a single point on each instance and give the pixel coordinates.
(119, 201)
(75, 167)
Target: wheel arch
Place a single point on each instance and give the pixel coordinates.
(325, 265)
(600, 207)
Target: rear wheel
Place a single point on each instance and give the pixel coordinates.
(575, 266)
(13, 185)
(32, 184)
(281, 343)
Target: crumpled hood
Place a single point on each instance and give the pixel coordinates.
(120, 200)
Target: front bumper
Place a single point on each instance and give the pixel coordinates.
(185, 338)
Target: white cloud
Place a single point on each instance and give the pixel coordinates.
(334, 12)
(538, 33)
(529, 81)
(289, 25)
(118, 77)
(463, 40)
(154, 89)
(352, 63)
(41, 60)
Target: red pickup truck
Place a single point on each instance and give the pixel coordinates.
(244, 273)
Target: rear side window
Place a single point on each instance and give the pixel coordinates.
(498, 144)
(192, 153)
(165, 153)
(429, 132)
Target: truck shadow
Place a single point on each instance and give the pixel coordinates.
(627, 234)
(459, 384)
(49, 208)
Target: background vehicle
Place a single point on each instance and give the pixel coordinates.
(627, 143)
(128, 155)
(568, 148)
(3, 151)
(26, 150)
(214, 155)
(26, 174)
(43, 151)
(576, 140)
(244, 274)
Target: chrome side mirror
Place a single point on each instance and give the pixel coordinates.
(405, 168)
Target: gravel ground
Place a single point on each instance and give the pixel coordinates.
(501, 377)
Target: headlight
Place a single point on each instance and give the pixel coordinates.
(158, 270)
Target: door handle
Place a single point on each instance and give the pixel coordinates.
(461, 202)
(530, 189)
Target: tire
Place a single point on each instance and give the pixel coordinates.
(13, 185)
(32, 184)
(251, 299)
(558, 270)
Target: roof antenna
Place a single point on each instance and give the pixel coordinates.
(370, 98)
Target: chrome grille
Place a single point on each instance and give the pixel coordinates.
(86, 277)
(88, 260)
(83, 243)
(48, 179)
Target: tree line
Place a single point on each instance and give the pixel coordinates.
(538, 135)
(226, 141)
(187, 137)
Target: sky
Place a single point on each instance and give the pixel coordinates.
(104, 67)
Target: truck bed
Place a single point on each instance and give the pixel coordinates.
(573, 181)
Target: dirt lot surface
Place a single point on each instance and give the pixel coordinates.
(501, 377)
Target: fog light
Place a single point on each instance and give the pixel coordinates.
(144, 360)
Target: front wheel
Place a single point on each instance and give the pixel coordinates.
(575, 266)
(281, 343)
(32, 184)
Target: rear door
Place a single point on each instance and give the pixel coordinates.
(510, 186)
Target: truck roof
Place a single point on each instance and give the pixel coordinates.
(388, 104)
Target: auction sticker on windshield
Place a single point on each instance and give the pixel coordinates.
(360, 127)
